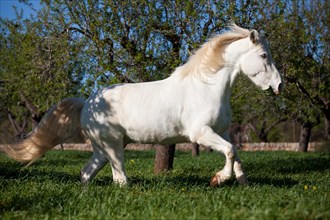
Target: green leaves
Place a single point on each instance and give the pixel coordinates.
(297, 38)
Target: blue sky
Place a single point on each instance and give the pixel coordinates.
(7, 10)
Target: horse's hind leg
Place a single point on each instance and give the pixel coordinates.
(96, 163)
(115, 152)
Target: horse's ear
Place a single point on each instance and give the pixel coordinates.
(254, 36)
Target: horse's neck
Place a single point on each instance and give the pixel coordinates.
(225, 79)
(220, 83)
(234, 52)
(214, 89)
(228, 75)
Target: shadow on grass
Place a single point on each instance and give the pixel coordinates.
(172, 181)
(275, 172)
(164, 180)
(37, 175)
(278, 170)
(157, 180)
(276, 182)
(291, 163)
(42, 201)
(304, 165)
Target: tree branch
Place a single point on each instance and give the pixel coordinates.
(316, 100)
(275, 124)
(85, 32)
(12, 121)
(36, 114)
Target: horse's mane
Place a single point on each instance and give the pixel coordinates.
(208, 59)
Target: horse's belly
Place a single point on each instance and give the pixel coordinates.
(159, 133)
(155, 139)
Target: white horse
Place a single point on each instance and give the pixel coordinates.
(193, 104)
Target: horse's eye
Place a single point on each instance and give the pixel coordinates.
(264, 56)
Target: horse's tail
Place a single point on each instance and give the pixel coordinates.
(60, 125)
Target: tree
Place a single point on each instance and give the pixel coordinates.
(255, 113)
(298, 33)
(303, 28)
(195, 150)
(77, 47)
(164, 158)
(33, 62)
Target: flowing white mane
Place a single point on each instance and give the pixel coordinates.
(209, 58)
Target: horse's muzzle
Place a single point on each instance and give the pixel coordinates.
(279, 89)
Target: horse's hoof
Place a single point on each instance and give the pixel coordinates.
(242, 180)
(214, 181)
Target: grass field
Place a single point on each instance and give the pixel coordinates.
(283, 185)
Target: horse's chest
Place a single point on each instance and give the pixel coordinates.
(221, 120)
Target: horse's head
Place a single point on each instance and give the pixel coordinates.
(258, 65)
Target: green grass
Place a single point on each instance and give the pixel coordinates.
(283, 185)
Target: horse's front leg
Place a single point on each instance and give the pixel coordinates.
(207, 137)
(238, 168)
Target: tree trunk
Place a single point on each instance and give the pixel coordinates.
(164, 158)
(195, 150)
(327, 124)
(208, 149)
(19, 126)
(263, 136)
(305, 134)
(36, 114)
(264, 130)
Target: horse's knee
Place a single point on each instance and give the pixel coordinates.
(230, 154)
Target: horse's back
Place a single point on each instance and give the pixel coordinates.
(143, 112)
